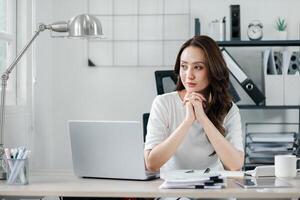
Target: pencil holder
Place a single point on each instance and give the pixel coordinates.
(17, 171)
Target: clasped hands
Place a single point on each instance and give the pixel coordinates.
(195, 104)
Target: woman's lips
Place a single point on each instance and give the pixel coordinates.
(191, 84)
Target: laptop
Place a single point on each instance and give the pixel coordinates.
(108, 149)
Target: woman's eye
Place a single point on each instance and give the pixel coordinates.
(184, 67)
(198, 67)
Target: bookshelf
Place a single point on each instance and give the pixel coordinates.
(265, 43)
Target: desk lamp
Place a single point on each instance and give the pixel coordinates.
(81, 26)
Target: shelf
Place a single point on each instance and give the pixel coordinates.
(248, 43)
(267, 107)
(140, 40)
(255, 107)
(141, 14)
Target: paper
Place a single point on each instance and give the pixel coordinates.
(196, 179)
(286, 56)
(269, 62)
(200, 185)
(264, 146)
(182, 175)
(268, 149)
(272, 137)
(187, 175)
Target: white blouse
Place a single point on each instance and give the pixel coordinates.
(167, 113)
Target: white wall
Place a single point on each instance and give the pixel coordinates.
(67, 89)
(18, 119)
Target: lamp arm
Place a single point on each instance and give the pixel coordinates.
(5, 77)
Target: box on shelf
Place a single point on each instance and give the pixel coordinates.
(274, 89)
(281, 77)
(292, 89)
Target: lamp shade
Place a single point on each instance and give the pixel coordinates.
(84, 26)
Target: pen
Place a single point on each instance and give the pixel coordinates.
(8, 158)
(13, 153)
(190, 171)
(206, 170)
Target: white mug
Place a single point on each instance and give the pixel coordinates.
(286, 166)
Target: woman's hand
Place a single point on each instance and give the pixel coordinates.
(190, 113)
(198, 102)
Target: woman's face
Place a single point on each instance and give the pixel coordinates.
(193, 69)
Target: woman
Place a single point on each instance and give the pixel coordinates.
(197, 126)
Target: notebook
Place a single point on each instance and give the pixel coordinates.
(108, 149)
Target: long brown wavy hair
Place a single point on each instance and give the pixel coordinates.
(219, 100)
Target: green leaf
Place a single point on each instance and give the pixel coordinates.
(281, 24)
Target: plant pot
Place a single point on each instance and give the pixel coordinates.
(282, 35)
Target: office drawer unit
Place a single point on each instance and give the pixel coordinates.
(265, 140)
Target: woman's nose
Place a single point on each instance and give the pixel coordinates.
(190, 74)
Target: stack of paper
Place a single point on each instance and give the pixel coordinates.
(196, 179)
(263, 147)
(272, 137)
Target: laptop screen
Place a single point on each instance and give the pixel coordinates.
(107, 149)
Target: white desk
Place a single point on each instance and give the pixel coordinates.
(45, 183)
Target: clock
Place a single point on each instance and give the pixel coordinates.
(255, 30)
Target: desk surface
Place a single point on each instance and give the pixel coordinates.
(58, 183)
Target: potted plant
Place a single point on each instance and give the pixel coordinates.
(281, 27)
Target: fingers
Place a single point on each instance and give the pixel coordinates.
(198, 99)
(186, 98)
(199, 95)
(193, 97)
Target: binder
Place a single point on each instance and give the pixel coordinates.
(235, 96)
(247, 84)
